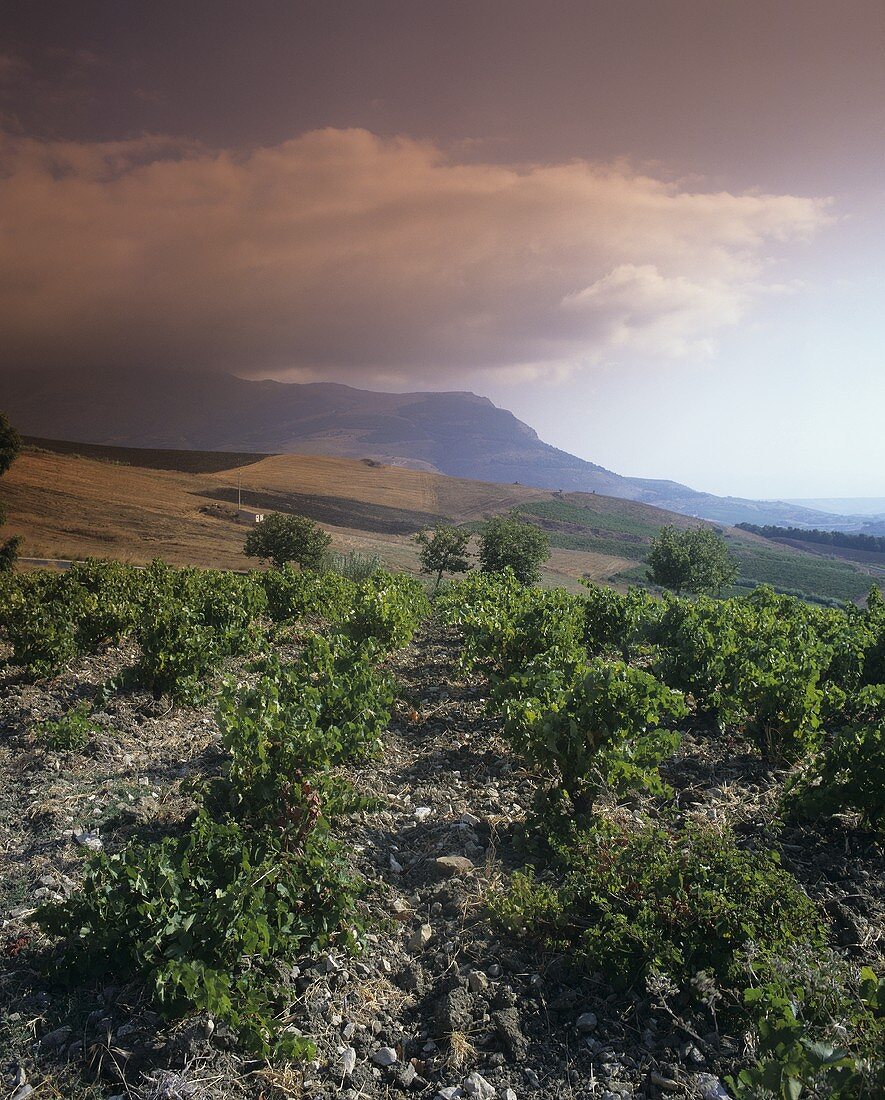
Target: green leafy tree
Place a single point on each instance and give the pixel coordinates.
(443, 550)
(506, 542)
(696, 560)
(10, 445)
(282, 538)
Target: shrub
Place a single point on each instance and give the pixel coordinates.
(506, 542)
(203, 918)
(794, 1057)
(39, 622)
(297, 721)
(629, 901)
(387, 607)
(848, 775)
(293, 595)
(603, 728)
(616, 623)
(282, 538)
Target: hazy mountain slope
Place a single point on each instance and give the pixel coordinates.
(460, 434)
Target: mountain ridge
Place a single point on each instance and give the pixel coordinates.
(458, 433)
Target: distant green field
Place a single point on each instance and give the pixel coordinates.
(626, 535)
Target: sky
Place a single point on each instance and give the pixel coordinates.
(653, 229)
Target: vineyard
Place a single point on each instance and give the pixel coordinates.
(282, 834)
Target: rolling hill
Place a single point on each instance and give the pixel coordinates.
(137, 504)
(459, 434)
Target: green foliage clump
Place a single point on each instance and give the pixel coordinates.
(794, 1059)
(203, 918)
(616, 623)
(191, 621)
(39, 620)
(443, 550)
(630, 901)
(387, 607)
(293, 595)
(71, 731)
(605, 728)
(507, 542)
(10, 445)
(282, 538)
(695, 560)
(296, 722)
(848, 775)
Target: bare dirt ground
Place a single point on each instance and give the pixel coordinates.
(438, 992)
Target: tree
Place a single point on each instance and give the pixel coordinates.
(696, 560)
(443, 550)
(10, 445)
(281, 538)
(507, 542)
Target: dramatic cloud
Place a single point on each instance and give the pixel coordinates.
(338, 251)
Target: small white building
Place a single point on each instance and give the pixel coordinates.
(246, 515)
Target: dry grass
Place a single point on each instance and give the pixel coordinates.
(67, 506)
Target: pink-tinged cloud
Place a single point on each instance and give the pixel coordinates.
(340, 251)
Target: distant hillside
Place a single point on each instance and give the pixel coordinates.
(459, 434)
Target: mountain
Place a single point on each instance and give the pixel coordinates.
(455, 433)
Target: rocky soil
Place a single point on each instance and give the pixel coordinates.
(439, 1005)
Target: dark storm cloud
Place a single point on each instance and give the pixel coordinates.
(340, 251)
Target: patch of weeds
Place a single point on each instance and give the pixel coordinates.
(627, 901)
(72, 731)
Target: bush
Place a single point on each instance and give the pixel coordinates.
(630, 901)
(282, 538)
(39, 622)
(847, 776)
(387, 607)
(509, 543)
(296, 722)
(191, 620)
(293, 595)
(793, 1056)
(605, 728)
(203, 918)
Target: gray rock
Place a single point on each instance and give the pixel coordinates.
(494, 971)
(479, 1088)
(385, 1056)
(509, 1094)
(451, 866)
(395, 866)
(405, 1077)
(477, 981)
(21, 1092)
(423, 812)
(710, 1087)
(532, 1079)
(420, 939)
(586, 1022)
(55, 1039)
(668, 1084)
(455, 1011)
(89, 840)
(348, 1061)
(506, 1021)
(450, 1092)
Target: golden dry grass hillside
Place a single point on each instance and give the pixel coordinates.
(70, 506)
